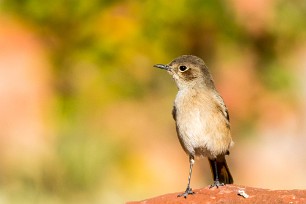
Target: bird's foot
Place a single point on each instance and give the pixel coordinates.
(216, 184)
(186, 193)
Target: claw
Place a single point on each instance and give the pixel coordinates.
(186, 193)
(216, 184)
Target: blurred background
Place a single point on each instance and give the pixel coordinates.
(85, 118)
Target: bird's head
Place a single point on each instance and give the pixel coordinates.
(188, 71)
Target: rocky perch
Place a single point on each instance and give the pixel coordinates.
(231, 194)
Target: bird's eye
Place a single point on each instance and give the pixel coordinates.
(183, 68)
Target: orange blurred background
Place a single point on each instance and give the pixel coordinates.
(85, 118)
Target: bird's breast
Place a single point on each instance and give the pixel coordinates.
(200, 127)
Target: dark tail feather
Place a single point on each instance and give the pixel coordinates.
(224, 174)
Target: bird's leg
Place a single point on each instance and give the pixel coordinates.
(216, 179)
(188, 189)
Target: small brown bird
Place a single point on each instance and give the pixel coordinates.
(201, 117)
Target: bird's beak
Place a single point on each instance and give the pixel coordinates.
(162, 66)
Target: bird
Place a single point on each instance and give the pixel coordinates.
(201, 118)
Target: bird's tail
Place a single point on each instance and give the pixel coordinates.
(220, 170)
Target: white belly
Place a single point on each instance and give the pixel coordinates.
(201, 128)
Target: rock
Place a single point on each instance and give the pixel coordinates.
(230, 194)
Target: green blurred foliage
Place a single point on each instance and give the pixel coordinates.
(102, 53)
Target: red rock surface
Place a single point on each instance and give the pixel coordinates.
(229, 194)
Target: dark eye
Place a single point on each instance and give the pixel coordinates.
(183, 68)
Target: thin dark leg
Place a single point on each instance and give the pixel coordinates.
(188, 189)
(216, 181)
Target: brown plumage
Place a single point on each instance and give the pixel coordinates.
(201, 117)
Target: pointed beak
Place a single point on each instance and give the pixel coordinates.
(162, 66)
